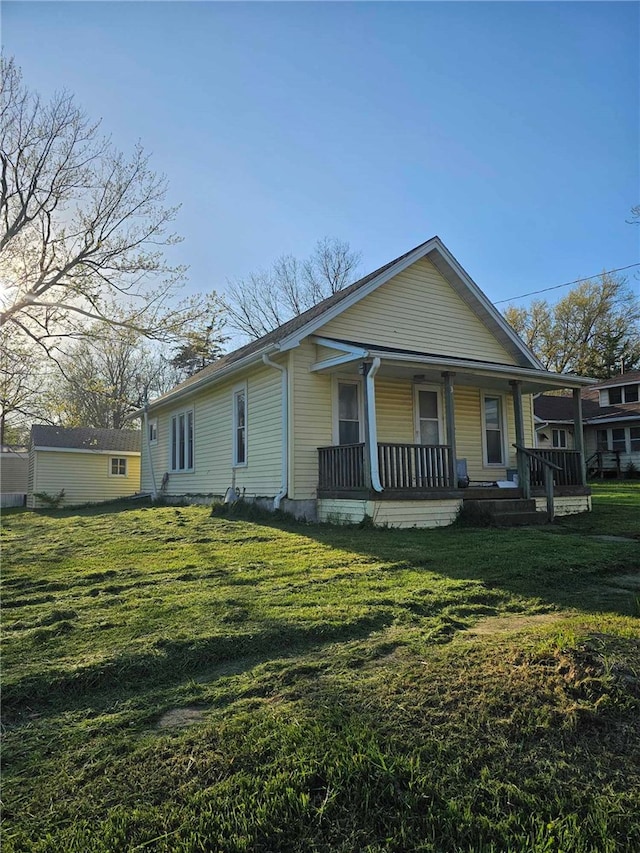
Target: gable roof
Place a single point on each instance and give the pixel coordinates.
(85, 438)
(621, 379)
(290, 334)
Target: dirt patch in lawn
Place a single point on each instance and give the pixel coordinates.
(509, 624)
(179, 718)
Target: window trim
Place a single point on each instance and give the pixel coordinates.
(559, 431)
(118, 476)
(416, 411)
(241, 387)
(504, 429)
(174, 417)
(335, 406)
(153, 428)
(605, 394)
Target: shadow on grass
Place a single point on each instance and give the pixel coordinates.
(179, 659)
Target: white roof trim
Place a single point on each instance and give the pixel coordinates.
(594, 422)
(211, 378)
(433, 245)
(487, 368)
(488, 305)
(335, 310)
(349, 353)
(87, 450)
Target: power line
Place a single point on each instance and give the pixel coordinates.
(566, 284)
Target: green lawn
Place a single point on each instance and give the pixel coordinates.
(174, 681)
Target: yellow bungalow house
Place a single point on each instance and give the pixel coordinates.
(398, 398)
(86, 465)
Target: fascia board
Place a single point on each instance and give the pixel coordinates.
(488, 306)
(294, 339)
(349, 353)
(611, 420)
(487, 369)
(88, 450)
(211, 379)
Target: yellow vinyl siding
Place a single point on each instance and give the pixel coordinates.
(433, 513)
(311, 421)
(470, 431)
(84, 476)
(212, 407)
(418, 310)
(566, 505)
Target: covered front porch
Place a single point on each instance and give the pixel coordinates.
(472, 427)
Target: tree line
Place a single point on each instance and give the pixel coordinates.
(91, 319)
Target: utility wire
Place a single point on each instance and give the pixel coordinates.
(566, 284)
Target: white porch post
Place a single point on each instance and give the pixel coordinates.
(523, 467)
(371, 469)
(579, 434)
(451, 428)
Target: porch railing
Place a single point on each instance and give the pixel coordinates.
(342, 467)
(401, 466)
(414, 466)
(567, 470)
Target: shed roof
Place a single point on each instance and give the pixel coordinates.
(85, 438)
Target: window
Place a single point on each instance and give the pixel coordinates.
(153, 430)
(634, 439)
(427, 416)
(118, 466)
(240, 426)
(182, 441)
(493, 431)
(618, 440)
(348, 413)
(602, 440)
(622, 394)
(559, 438)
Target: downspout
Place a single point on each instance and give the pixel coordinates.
(285, 428)
(373, 428)
(154, 490)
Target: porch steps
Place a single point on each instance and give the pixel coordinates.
(509, 512)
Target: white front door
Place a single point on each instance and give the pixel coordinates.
(428, 415)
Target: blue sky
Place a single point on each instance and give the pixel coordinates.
(511, 130)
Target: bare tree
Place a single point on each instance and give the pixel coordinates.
(23, 373)
(105, 378)
(83, 227)
(268, 298)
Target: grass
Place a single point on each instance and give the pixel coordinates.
(346, 690)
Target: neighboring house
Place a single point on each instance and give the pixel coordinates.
(375, 402)
(89, 465)
(14, 464)
(611, 418)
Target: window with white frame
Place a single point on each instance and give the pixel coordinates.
(493, 430)
(427, 414)
(622, 439)
(240, 426)
(618, 440)
(621, 394)
(559, 438)
(348, 413)
(153, 430)
(182, 441)
(118, 466)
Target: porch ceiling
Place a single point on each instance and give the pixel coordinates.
(426, 368)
